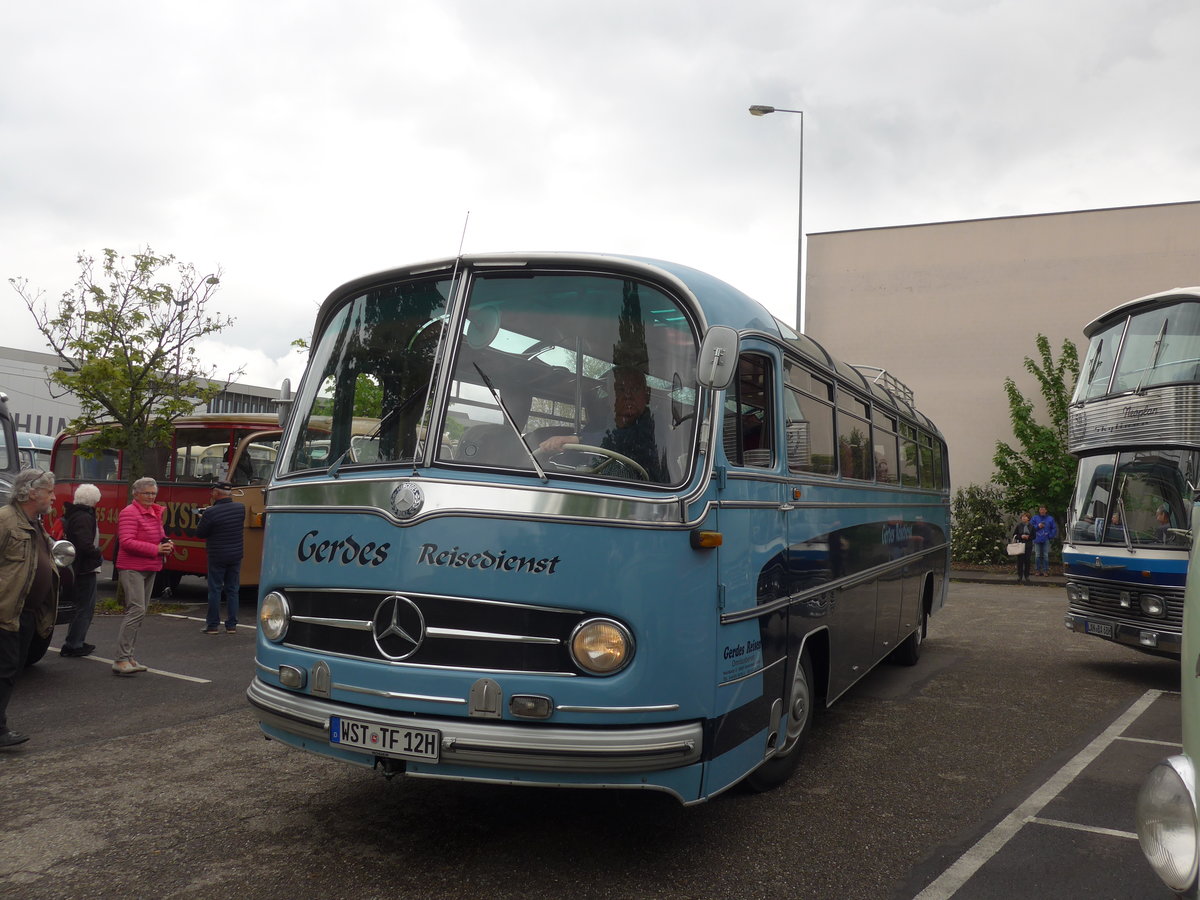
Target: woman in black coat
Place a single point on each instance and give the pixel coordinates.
(1023, 534)
(79, 527)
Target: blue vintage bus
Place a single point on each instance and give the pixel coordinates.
(616, 526)
(1133, 424)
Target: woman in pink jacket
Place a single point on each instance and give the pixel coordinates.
(143, 547)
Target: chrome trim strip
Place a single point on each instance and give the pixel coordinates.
(444, 497)
(840, 584)
(417, 595)
(665, 707)
(333, 654)
(761, 671)
(1161, 415)
(396, 695)
(499, 744)
(463, 634)
(351, 624)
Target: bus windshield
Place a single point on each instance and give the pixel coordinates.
(1138, 497)
(555, 373)
(1160, 346)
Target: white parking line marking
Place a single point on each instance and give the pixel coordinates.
(1173, 744)
(948, 883)
(191, 678)
(1091, 829)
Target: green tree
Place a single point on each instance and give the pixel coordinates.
(1042, 472)
(126, 339)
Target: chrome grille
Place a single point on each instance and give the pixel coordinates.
(459, 632)
(1104, 598)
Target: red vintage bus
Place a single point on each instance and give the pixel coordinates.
(204, 449)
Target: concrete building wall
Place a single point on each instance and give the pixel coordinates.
(953, 308)
(23, 377)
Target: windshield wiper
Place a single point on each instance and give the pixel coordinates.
(395, 411)
(1153, 356)
(1095, 361)
(511, 423)
(1124, 520)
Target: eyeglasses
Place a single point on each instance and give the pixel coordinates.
(147, 493)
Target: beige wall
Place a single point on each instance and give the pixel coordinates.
(953, 308)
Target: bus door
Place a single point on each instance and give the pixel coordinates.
(751, 650)
(250, 468)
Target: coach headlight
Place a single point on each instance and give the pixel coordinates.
(274, 615)
(1077, 593)
(1153, 605)
(1166, 822)
(601, 646)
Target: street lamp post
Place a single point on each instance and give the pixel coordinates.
(767, 110)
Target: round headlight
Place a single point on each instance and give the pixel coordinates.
(63, 552)
(1166, 822)
(273, 616)
(1152, 605)
(601, 646)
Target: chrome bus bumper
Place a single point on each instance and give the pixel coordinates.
(493, 744)
(1143, 637)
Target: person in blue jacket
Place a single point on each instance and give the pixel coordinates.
(221, 527)
(1045, 529)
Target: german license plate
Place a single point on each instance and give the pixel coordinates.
(385, 740)
(1101, 628)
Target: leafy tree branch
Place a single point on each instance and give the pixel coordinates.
(126, 333)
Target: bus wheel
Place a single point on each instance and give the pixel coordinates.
(909, 652)
(798, 723)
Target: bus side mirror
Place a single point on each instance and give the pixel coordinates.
(284, 402)
(718, 357)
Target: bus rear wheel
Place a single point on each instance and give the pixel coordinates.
(909, 650)
(794, 732)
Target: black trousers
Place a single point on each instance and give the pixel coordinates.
(14, 646)
(1023, 563)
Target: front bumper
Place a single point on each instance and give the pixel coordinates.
(497, 745)
(1142, 637)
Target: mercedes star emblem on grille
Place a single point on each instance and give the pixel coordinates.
(398, 627)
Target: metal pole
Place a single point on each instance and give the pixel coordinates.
(763, 111)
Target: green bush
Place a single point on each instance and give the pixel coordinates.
(979, 529)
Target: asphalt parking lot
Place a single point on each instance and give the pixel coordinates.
(1005, 764)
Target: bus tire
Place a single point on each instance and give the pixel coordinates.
(909, 651)
(801, 705)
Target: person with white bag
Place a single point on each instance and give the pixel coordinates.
(1021, 547)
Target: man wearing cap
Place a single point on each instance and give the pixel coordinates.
(221, 527)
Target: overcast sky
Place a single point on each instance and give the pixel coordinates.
(297, 144)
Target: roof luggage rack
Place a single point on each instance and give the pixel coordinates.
(888, 380)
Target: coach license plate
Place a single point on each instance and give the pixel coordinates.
(386, 740)
(1101, 628)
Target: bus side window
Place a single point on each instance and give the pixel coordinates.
(855, 452)
(65, 457)
(909, 472)
(748, 432)
(809, 424)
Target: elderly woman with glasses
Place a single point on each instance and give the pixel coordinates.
(144, 547)
(28, 583)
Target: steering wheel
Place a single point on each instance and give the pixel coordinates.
(612, 457)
